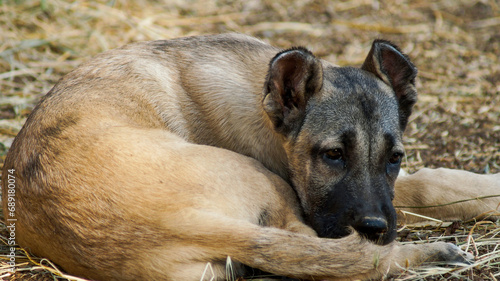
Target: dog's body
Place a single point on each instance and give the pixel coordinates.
(152, 160)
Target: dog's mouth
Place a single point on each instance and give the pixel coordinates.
(377, 230)
(380, 238)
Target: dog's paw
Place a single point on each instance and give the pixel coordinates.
(451, 254)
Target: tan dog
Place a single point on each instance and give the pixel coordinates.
(154, 159)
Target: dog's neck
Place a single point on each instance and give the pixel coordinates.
(217, 100)
(251, 133)
(228, 111)
(242, 126)
(270, 150)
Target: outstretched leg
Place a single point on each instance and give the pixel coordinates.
(303, 256)
(476, 195)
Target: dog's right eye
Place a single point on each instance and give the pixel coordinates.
(396, 158)
(334, 156)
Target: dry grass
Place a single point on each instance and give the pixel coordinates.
(455, 44)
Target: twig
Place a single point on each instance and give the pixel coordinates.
(286, 26)
(418, 28)
(485, 23)
(450, 203)
(160, 19)
(421, 216)
(14, 73)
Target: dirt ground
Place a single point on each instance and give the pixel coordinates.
(454, 43)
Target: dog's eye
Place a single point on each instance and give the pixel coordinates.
(396, 158)
(334, 155)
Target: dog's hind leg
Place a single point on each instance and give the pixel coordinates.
(475, 195)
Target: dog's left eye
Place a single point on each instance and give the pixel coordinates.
(334, 157)
(334, 154)
(396, 158)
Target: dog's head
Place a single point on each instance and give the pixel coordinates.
(343, 128)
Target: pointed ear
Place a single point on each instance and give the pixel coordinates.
(294, 76)
(390, 65)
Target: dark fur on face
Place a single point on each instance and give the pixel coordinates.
(344, 148)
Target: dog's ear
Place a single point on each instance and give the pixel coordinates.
(294, 76)
(389, 64)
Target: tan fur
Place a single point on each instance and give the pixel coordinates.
(125, 172)
(433, 187)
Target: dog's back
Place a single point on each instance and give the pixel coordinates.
(188, 86)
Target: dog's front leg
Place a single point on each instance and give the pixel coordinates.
(306, 257)
(455, 194)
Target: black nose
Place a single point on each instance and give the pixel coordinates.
(372, 227)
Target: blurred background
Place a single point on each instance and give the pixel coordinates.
(454, 43)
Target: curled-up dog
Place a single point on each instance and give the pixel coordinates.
(154, 159)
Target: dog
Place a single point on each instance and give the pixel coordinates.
(153, 160)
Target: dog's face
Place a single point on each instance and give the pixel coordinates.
(343, 128)
(346, 157)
